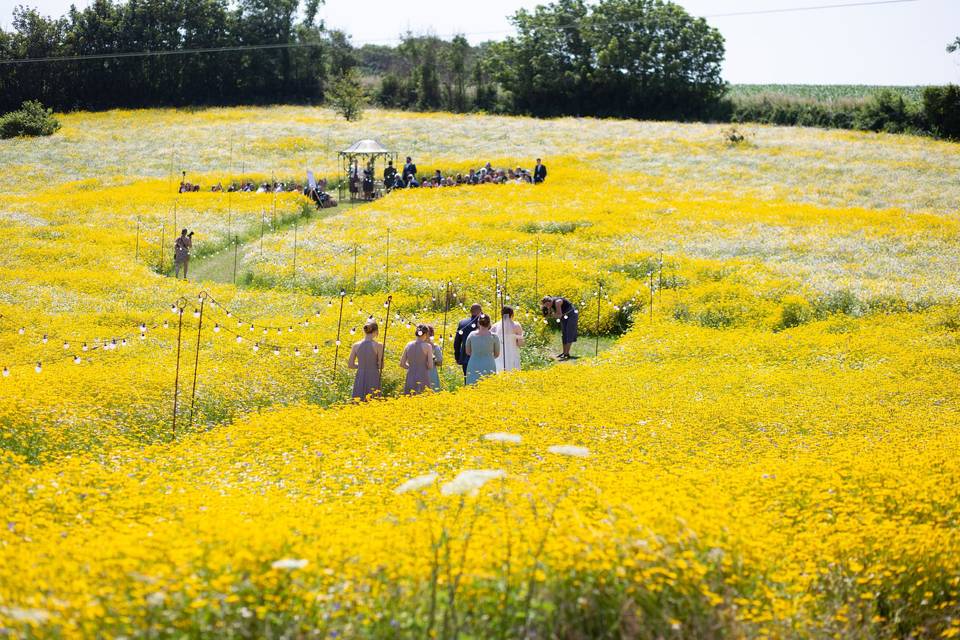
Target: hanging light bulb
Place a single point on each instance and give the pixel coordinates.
(44, 338)
(229, 314)
(6, 372)
(21, 330)
(143, 327)
(279, 331)
(251, 327)
(239, 339)
(264, 331)
(123, 342)
(166, 325)
(353, 330)
(289, 329)
(296, 351)
(216, 328)
(196, 313)
(143, 336)
(338, 343)
(276, 351)
(38, 368)
(239, 323)
(315, 349)
(256, 347)
(173, 308)
(66, 345)
(76, 359)
(84, 347)
(329, 303)
(113, 343)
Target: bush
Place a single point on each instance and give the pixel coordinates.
(941, 108)
(794, 312)
(32, 119)
(887, 111)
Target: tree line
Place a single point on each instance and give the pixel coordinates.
(610, 58)
(628, 58)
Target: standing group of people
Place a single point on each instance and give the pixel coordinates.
(481, 347)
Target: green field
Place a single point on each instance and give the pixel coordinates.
(823, 92)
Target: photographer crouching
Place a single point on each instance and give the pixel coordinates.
(562, 310)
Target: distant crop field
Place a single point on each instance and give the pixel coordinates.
(823, 92)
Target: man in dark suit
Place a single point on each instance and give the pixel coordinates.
(539, 172)
(409, 170)
(389, 175)
(464, 329)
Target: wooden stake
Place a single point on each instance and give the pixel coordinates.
(336, 351)
(388, 258)
(354, 290)
(596, 349)
(386, 325)
(196, 359)
(446, 308)
(176, 379)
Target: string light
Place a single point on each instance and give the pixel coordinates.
(256, 347)
(296, 351)
(276, 351)
(239, 339)
(6, 372)
(166, 325)
(84, 347)
(143, 336)
(76, 359)
(38, 368)
(216, 328)
(315, 349)
(44, 338)
(66, 345)
(196, 313)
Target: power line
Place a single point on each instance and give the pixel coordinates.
(810, 8)
(305, 45)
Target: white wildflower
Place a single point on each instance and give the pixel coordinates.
(569, 450)
(502, 437)
(31, 616)
(470, 481)
(289, 564)
(415, 484)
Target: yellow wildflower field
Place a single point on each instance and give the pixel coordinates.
(769, 449)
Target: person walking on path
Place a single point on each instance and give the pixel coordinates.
(417, 360)
(483, 349)
(511, 339)
(562, 310)
(464, 329)
(365, 357)
(181, 253)
(437, 359)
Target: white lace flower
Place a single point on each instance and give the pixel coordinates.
(501, 437)
(569, 450)
(470, 481)
(290, 564)
(415, 484)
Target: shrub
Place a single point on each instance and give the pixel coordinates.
(887, 111)
(794, 312)
(31, 119)
(941, 108)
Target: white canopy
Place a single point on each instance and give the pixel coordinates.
(366, 146)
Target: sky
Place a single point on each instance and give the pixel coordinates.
(900, 43)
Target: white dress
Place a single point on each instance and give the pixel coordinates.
(511, 339)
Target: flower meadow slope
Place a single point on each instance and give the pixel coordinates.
(770, 451)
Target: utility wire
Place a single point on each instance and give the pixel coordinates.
(306, 45)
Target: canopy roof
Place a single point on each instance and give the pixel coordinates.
(366, 146)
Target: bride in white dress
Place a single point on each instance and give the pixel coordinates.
(511, 339)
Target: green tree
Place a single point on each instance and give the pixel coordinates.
(347, 96)
(629, 58)
(459, 49)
